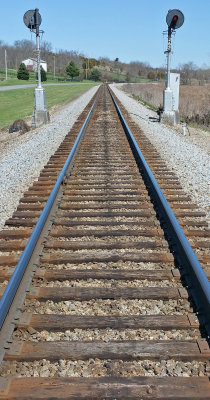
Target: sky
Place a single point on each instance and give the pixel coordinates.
(131, 30)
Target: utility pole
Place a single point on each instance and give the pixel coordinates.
(86, 70)
(86, 67)
(54, 66)
(32, 19)
(5, 55)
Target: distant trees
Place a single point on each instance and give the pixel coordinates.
(58, 60)
(92, 62)
(106, 76)
(135, 66)
(21, 50)
(62, 58)
(151, 75)
(160, 75)
(72, 70)
(95, 74)
(187, 72)
(23, 72)
(88, 64)
(43, 74)
(85, 66)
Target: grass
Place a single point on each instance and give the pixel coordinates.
(13, 80)
(194, 100)
(122, 78)
(19, 104)
(145, 102)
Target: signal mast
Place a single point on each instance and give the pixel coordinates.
(174, 20)
(32, 19)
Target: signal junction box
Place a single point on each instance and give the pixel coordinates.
(171, 100)
(174, 85)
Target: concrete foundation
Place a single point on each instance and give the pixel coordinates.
(40, 115)
(171, 117)
(39, 118)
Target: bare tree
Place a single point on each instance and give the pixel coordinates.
(187, 72)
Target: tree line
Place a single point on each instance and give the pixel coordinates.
(59, 63)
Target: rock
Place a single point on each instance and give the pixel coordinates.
(31, 330)
(19, 125)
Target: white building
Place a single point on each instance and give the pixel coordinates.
(31, 64)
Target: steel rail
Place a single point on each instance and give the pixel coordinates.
(198, 284)
(14, 282)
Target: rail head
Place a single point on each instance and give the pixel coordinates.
(197, 281)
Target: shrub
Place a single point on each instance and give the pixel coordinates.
(72, 70)
(151, 75)
(23, 73)
(95, 74)
(43, 74)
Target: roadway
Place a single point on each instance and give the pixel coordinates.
(4, 88)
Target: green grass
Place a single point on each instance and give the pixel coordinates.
(62, 94)
(12, 78)
(122, 78)
(14, 81)
(145, 102)
(19, 104)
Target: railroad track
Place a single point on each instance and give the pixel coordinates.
(102, 310)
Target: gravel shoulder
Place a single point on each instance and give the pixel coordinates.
(187, 156)
(22, 156)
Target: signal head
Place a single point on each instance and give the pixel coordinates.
(29, 19)
(175, 19)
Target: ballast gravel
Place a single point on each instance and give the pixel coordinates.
(109, 265)
(105, 335)
(21, 162)
(189, 161)
(109, 307)
(105, 283)
(96, 367)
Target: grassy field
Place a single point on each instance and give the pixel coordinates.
(13, 80)
(16, 104)
(194, 100)
(122, 78)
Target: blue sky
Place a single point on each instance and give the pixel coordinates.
(128, 29)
